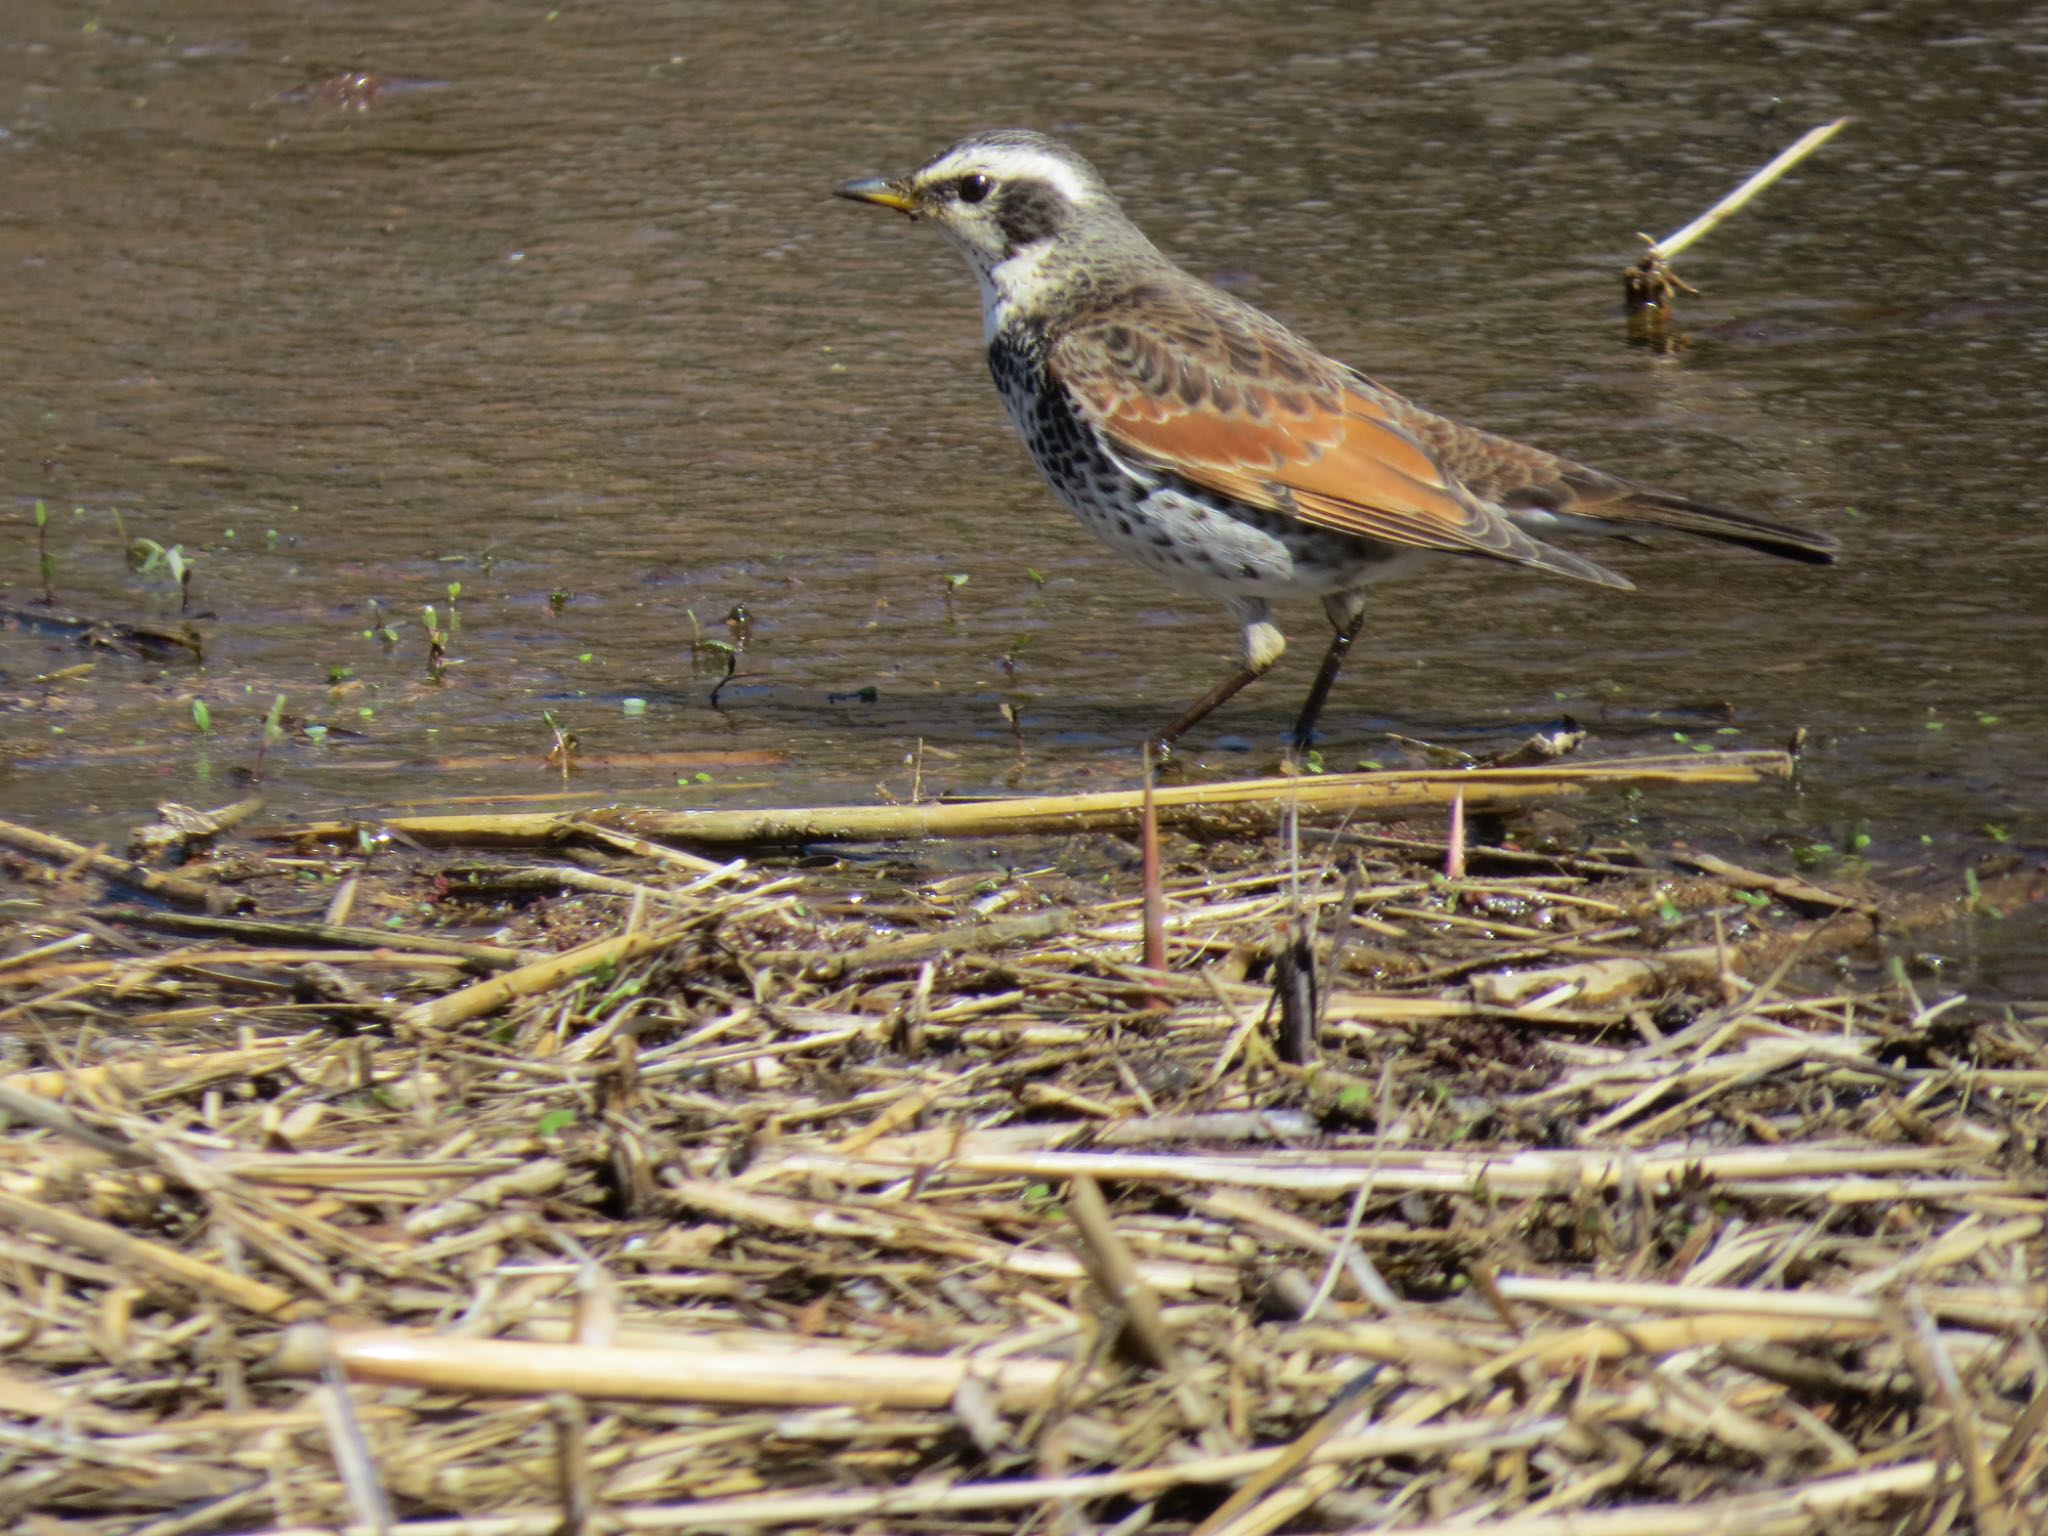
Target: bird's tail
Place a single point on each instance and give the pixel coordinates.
(1654, 509)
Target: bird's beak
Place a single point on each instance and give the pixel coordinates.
(879, 191)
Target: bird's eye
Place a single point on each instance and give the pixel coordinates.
(974, 188)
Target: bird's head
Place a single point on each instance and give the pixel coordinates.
(998, 195)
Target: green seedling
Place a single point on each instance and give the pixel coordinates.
(46, 564)
(202, 717)
(633, 986)
(380, 629)
(739, 624)
(437, 644)
(273, 733)
(149, 557)
(180, 569)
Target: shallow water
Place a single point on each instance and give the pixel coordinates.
(569, 309)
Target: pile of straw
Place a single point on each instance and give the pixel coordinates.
(1573, 1193)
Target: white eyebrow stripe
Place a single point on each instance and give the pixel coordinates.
(1015, 165)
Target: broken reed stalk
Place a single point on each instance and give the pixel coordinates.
(1650, 289)
(144, 1257)
(1454, 841)
(69, 855)
(640, 1373)
(1733, 203)
(1246, 803)
(543, 975)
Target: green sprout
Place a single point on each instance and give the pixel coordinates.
(273, 733)
(381, 629)
(180, 569)
(46, 563)
(437, 642)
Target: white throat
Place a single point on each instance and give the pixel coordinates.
(1017, 279)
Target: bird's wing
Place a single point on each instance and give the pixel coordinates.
(1215, 393)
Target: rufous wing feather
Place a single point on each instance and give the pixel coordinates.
(1231, 402)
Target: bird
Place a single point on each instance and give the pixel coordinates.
(1202, 439)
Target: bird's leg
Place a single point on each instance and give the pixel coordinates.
(1201, 707)
(1347, 617)
(1263, 644)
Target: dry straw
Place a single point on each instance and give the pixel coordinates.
(1618, 1194)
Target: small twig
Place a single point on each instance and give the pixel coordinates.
(1347, 1256)
(1344, 1410)
(574, 1486)
(1110, 1265)
(352, 1459)
(55, 1118)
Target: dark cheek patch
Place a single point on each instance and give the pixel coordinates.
(1030, 211)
